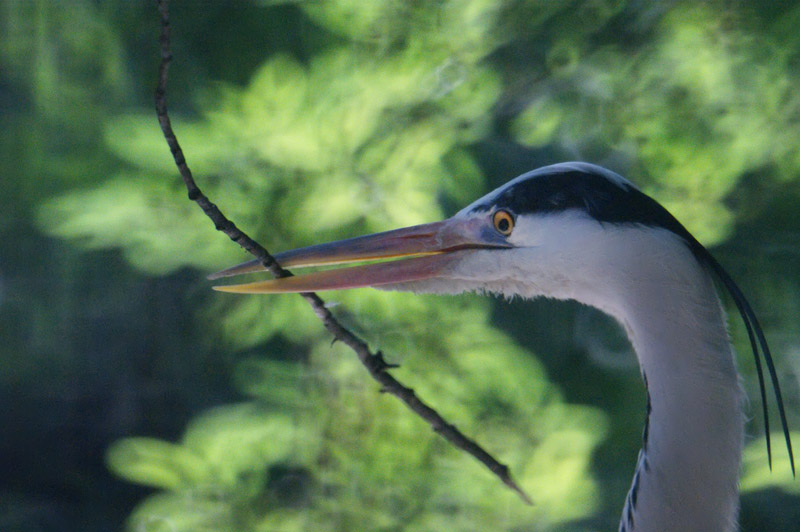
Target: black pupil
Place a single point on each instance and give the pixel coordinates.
(503, 225)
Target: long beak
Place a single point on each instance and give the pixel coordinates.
(427, 251)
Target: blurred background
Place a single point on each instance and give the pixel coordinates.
(133, 397)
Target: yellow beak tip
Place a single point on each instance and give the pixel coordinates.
(228, 289)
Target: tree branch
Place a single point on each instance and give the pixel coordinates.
(374, 362)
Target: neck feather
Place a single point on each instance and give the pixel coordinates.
(687, 475)
(648, 279)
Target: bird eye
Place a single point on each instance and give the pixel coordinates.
(503, 222)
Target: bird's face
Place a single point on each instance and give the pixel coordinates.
(537, 235)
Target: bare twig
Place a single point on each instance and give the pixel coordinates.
(374, 362)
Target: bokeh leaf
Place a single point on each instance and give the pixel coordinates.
(156, 463)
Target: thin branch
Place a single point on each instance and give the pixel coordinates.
(374, 362)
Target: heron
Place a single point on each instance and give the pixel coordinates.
(577, 231)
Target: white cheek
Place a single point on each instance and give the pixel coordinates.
(552, 229)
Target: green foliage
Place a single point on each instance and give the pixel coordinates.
(51, 118)
(698, 107)
(758, 474)
(37, 46)
(318, 446)
(367, 121)
(153, 226)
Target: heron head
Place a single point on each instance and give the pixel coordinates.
(528, 237)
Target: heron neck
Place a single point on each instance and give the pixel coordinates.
(647, 278)
(687, 474)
